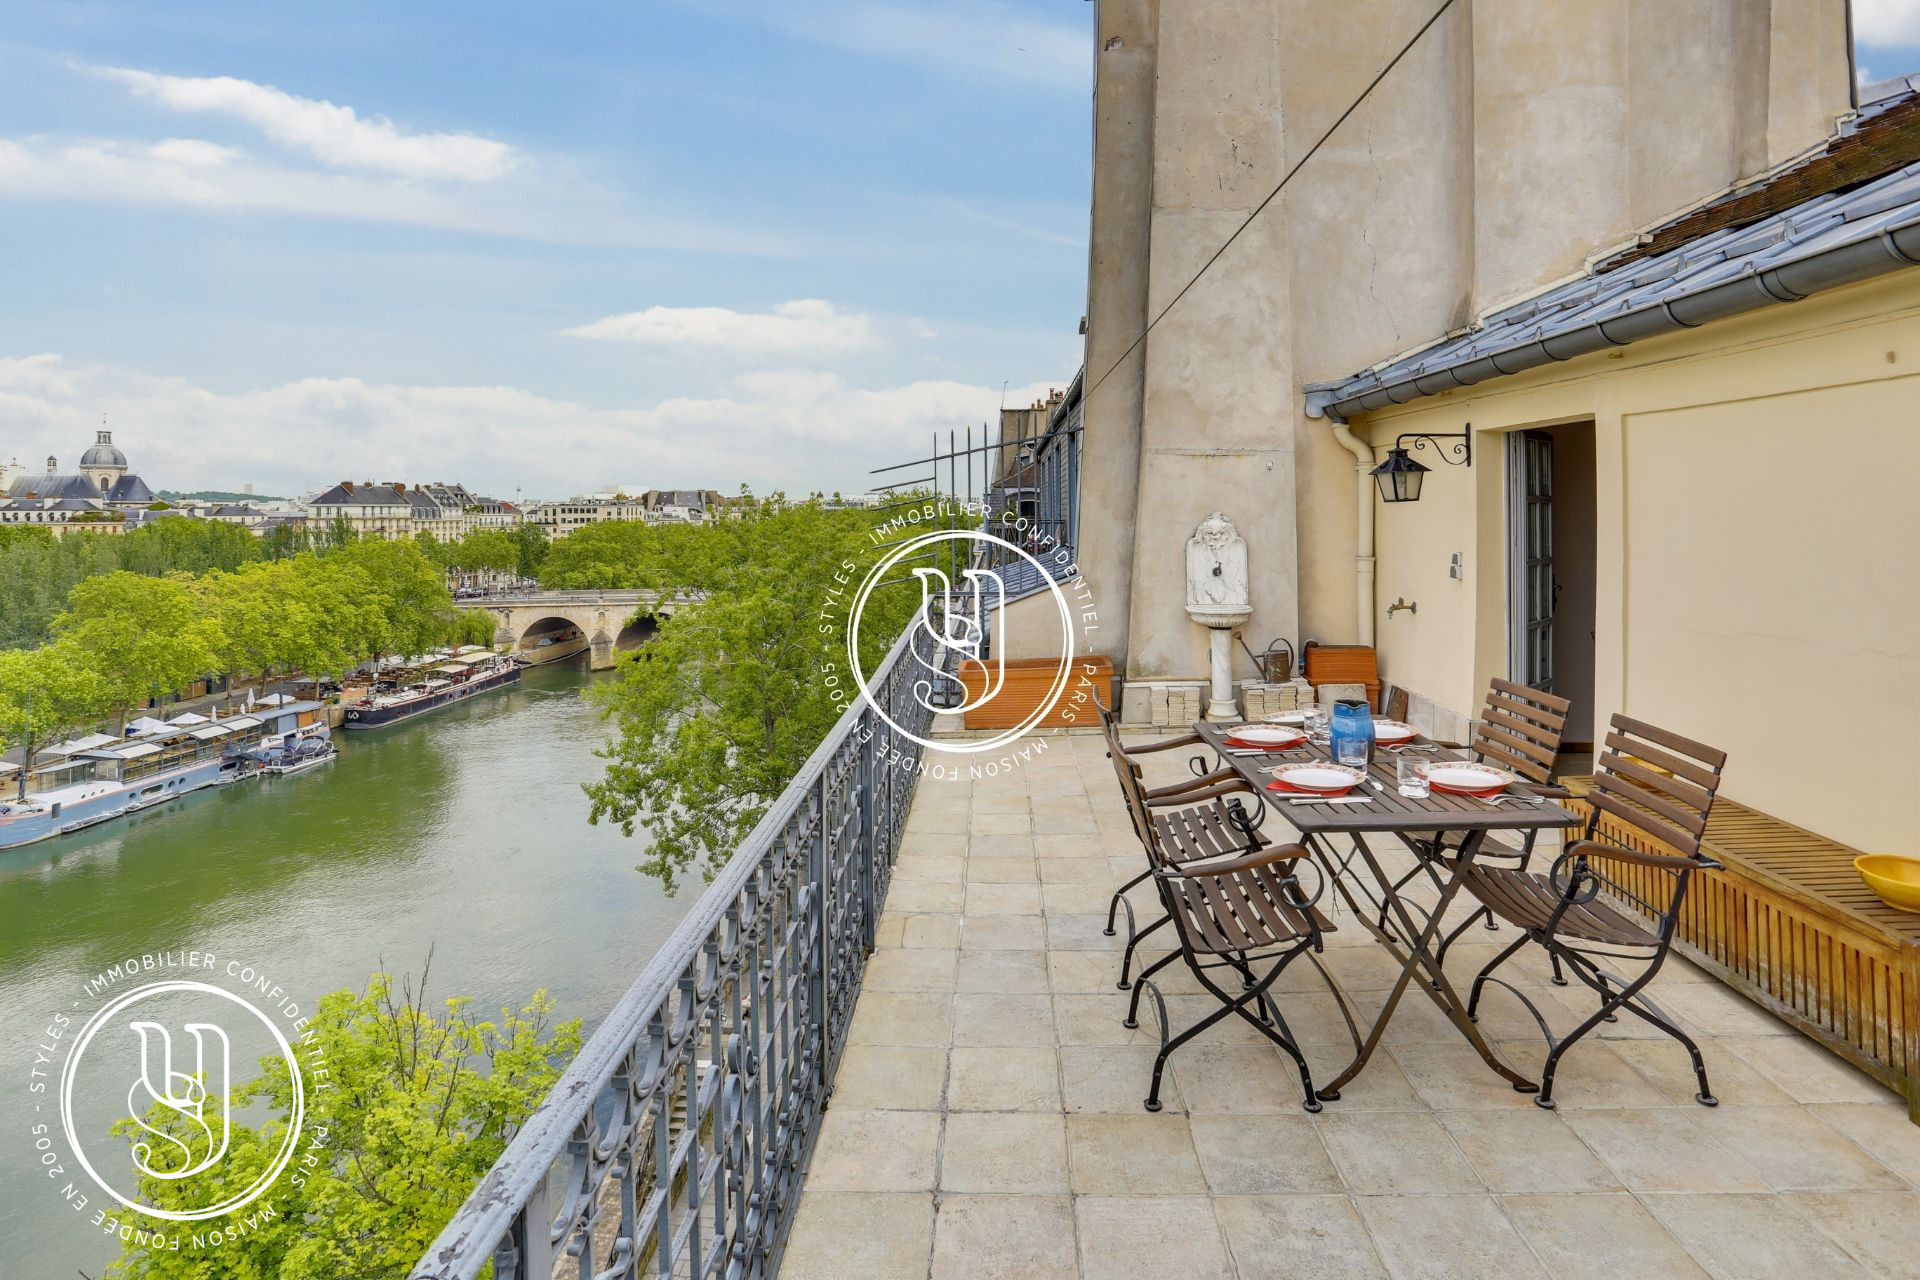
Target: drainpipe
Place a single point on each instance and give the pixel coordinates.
(1363, 559)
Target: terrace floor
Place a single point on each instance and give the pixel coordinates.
(987, 1118)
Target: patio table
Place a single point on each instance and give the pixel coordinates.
(1390, 813)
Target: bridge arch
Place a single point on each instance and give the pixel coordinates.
(611, 621)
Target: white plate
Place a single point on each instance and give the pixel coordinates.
(1392, 732)
(1287, 717)
(1464, 775)
(1318, 777)
(1264, 735)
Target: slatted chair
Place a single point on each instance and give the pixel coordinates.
(1519, 730)
(1660, 787)
(1239, 910)
(1110, 725)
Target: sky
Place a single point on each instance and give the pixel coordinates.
(1886, 37)
(541, 250)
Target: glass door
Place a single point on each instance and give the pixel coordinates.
(1530, 584)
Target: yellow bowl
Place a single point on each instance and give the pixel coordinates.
(1894, 876)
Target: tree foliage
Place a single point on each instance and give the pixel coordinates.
(423, 1103)
(719, 711)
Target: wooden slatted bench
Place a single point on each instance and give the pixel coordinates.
(1790, 925)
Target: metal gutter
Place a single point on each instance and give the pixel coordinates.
(1892, 249)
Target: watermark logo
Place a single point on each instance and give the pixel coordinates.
(965, 668)
(136, 1100)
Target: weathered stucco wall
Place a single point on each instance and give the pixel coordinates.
(1727, 606)
(1518, 139)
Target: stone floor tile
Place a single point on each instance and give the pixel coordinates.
(994, 870)
(1447, 1237)
(1364, 968)
(1718, 1010)
(1452, 1077)
(1003, 933)
(1096, 1020)
(1015, 972)
(1881, 1129)
(1591, 1074)
(1087, 972)
(999, 1237)
(1074, 844)
(1000, 845)
(931, 869)
(1080, 932)
(1380, 1086)
(1076, 871)
(1599, 1237)
(1297, 1238)
(1018, 823)
(1231, 1079)
(1004, 1152)
(907, 896)
(902, 1018)
(917, 969)
(1138, 1154)
(1795, 1150)
(1263, 1155)
(1004, 1078)
(999, 799)
(890, 930)
(1752, 1237)
(1149, 1238)
(993, 1019)
(875, 1077)
(1530, 1151)
(1002, 899)
(1664, 1064)
(1113, 1078)
(840, 1235)
(1389, 1153)
(1881, 1229)
(1807, 1072)
(1660, 1150)
(932, 929)
(933, 797)
(1080, 899)
(875, 1151)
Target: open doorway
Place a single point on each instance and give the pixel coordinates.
(1550, 569)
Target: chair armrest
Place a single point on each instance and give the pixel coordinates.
(1234, 786)
(1191, 784)
(1551, 790)
(1243, 862)
(1166, 744)
(1634, 857)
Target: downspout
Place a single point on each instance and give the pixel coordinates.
(1363, 558)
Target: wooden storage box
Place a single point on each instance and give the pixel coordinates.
(1026, 683)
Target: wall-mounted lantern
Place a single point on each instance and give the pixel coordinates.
(1399, 476)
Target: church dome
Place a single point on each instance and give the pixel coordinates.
(104, 453)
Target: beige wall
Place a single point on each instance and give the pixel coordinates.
(1755, 529)
(1518, 139)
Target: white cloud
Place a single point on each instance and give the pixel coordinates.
(806, 324)
(545, 201)
(793, 430)
(1894, 22)
(335, 135)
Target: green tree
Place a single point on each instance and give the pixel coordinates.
(719, 711)
(142, 637)
(45, 692)
(410, 593)
(423, 1104)
(530, 544)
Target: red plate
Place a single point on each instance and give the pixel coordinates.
(1277, 785)
(1482, 793)
(1264, 746)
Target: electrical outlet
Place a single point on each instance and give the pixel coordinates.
(1455, 568)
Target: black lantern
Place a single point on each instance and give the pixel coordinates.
(1399, 476)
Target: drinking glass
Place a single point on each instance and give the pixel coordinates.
(1413, 783)
(1351, 752)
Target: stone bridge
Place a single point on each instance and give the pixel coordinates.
(613, 621)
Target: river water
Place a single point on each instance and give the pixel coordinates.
(465, 831)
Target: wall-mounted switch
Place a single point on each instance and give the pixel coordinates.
(1455, 568)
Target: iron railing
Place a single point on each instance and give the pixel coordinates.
(674, 1144)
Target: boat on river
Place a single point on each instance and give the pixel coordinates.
(416, 692)
(102, 778)
(556, 646)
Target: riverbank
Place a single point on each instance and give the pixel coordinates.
(464, 831)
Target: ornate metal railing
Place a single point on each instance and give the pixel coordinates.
(674, 1144)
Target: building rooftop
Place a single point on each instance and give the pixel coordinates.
(1846, 213)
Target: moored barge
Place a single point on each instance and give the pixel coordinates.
(455, 680)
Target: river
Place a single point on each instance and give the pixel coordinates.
(465, 831)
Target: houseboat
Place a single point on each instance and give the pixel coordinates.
(101, 778)
(394, 698)
(555, 646)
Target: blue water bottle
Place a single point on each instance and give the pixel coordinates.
(1350, 737)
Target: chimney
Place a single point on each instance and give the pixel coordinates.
(53, 467)
(347, 485)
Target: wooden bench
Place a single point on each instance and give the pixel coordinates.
(1790, 925)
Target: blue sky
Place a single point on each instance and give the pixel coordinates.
(660, 242)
